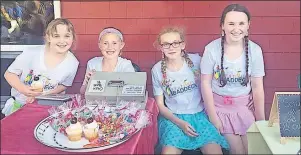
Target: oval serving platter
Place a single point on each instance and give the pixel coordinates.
(46, 135)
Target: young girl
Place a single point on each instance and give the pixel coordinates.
(110, 44)
(231, 67)
(53, 65)
(183, 124)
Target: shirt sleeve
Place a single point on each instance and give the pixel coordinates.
(69, 80)
(257, 69)
(22, 61)
(157, 87)
(207, 63)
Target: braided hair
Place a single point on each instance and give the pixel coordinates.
(223, 79)
(184, 54)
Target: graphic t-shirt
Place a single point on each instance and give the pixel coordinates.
(30, 64)
(182, 92)
(123, 65)
(235, 70)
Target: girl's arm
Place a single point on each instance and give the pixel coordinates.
(208, 96)
(164, 111)
(14, 81)
(258, 97)
(85, 82)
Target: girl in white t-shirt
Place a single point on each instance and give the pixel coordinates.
(182, 123)
(48, 69)
(232, 67)
(110, 43)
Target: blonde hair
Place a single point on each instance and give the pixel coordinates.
(51, 28)
(180, 31)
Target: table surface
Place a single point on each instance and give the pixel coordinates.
(271, 135)
(17, 133)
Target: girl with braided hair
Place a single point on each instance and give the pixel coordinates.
(231, 67)
(182, 124)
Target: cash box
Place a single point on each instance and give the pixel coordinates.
(113, 87)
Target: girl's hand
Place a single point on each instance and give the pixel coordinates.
(30, 99)
(29, 91)
(188, 129)
(217, 123)
(88, 76)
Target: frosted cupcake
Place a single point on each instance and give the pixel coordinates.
(37, 84)
(74, 130)
(91, 129)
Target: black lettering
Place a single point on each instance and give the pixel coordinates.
(186, 88)
(178, 91)
(228, 80)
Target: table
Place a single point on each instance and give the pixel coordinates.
(263, 139)
(17, 136)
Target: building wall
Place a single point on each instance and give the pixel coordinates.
(275, 26)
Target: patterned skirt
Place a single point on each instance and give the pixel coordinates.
(171, 135)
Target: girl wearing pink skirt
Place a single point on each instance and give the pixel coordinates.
(232, 79)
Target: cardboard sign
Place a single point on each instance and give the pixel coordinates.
(133, 90)
(286, 111)
(97, 86)
(289, 114)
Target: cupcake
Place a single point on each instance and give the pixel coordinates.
(37, 84)
(91, 129)
(74, 130)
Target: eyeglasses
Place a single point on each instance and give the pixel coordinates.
(174, 45)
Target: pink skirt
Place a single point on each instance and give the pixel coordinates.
(234, 113)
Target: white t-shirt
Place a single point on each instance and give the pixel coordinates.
(123, 65)
(30, 63)
(182, 95)
(235, 70)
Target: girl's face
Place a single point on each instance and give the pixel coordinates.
(61, 40)
(172, 45)
(110, 45)
(235, 26)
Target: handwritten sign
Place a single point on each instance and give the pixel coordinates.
(97, 86)
(289, 114)
(133, 90)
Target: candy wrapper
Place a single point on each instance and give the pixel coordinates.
(144, 118)
(129, 108)
(78, 101)
(61, 116)
(83, 114)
